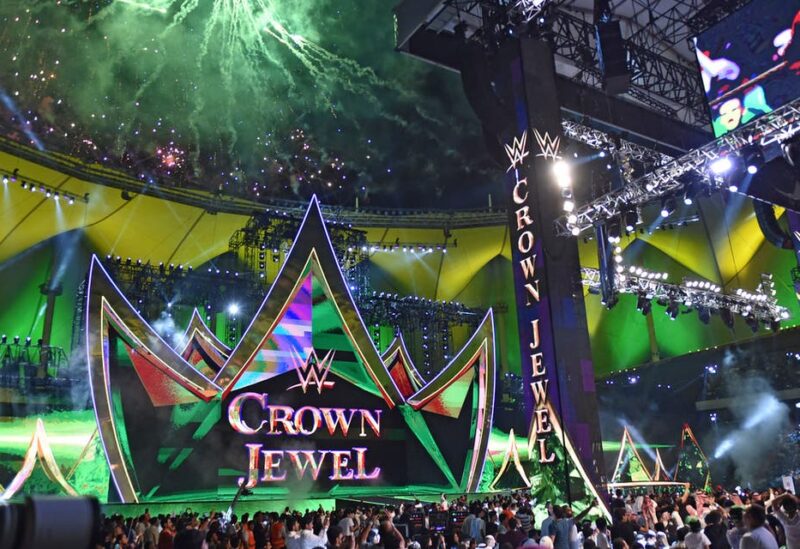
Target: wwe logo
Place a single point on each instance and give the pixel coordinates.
(313, 371)
(517, 150)
(548, 145)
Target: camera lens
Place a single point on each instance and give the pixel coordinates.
(45, 522)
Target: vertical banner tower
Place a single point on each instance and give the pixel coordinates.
(556, 361)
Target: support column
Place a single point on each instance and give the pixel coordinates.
(47, 329)
(552, 319)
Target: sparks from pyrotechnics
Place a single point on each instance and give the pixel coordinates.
(239, 37)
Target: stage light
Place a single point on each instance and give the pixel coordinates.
(613, 231)
(14, 174)
(643, 305)
(689, 192)
(24, 185)
(791, 151)
(704, 314)
(5, 180)
(16, 340)
(569, 205)
(233, 309)
(752, 322)
(28, 341)
(631, 219)
(572, 219)
(576, 230)
(4, 339)
(71, 201)
(721, 165)
(667, 206)
(563, 174)
(611, 302)
(673, 309)
(727, 317)
(733, 187)
(752, 169)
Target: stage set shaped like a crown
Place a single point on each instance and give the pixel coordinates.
(303, 405)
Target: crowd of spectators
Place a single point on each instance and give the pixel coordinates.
(697, 520)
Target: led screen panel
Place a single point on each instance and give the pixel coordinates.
(750, 62)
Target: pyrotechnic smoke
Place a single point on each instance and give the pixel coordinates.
(165, 327)
(762, 422)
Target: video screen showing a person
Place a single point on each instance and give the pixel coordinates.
(750, 62)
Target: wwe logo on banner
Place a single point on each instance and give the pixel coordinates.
(530, 8)
(313, 371)
(517, 151)
(548, 145)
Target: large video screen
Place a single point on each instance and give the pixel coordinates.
(750, 62)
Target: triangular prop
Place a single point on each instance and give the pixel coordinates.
(629, 467)
(511, 457)
(692, 462)
(39, 451)
(661, 472)
(401, 367)
(202, 348)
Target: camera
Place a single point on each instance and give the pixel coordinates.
(42, 522)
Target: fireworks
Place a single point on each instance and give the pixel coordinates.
(171, 157)
(123, 78)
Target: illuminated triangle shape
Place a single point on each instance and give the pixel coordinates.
(312, 250)
(692, 464)
(202, 348)
(661, 473)
(510, 466)
(38, 452)
(477, 357)
(629, 467)
(558, 441)
(401, 367)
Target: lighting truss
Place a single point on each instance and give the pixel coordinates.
(13, 177)
(407, 247)
(530, 8)
(669, 22)
(656, 81)
(760, 304)
(600, 140)
(428, 218)
(777, 126)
